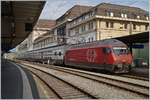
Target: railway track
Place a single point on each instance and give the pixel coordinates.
(140, 89)
(126, 85)
(61, 89)
(136, 77)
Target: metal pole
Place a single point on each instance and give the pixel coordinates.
(130, 33)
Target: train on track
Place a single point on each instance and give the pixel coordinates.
(110, 54)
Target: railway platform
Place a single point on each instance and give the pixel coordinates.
(140, 71)
(17, 83)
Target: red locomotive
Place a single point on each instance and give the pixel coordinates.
(112, 55)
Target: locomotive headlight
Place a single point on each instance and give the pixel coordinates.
(115, 58)
(123, 60)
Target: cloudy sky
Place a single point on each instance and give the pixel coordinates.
(55, 8)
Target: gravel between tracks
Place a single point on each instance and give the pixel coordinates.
(64, 90)
(44, 91)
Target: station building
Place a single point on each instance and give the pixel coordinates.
(57, 34)
(107, 21)
(42, 27)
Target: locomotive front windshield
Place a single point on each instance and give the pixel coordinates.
(120, 50)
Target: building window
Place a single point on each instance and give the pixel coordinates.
(92, 39)
(107, 24)
(91, 13)
(55, 53)
(125, 26)
(69, 33)
(76, 21)
(111, 14)
(123, 15)
(146, 27)
(83, 28)
(112, 25)
(83, 17)
(89, 39)
(59, 53)
(90, 25)
(76, 30)
(138, 17)
(147, 18)
(134, 26)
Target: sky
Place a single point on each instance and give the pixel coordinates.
(53, 9)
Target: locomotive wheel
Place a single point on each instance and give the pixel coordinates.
(115, 68)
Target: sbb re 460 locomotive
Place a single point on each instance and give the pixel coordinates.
(112, 55)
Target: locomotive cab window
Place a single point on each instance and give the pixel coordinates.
(120, 50)
(107, 50)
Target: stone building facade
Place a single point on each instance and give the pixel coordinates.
(107, 21)
(57, 35)
(42, 27)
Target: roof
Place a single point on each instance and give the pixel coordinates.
(109, 6)
(44, 36)
(45, 23)
(135, 38)
(102, 8)
(74, 12)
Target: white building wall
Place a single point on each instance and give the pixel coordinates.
(88, 37)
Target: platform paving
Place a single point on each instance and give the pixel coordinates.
(16, 82)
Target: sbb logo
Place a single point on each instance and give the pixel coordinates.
(91, 55)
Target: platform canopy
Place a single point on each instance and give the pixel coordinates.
(17, 21)
(135, 38)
